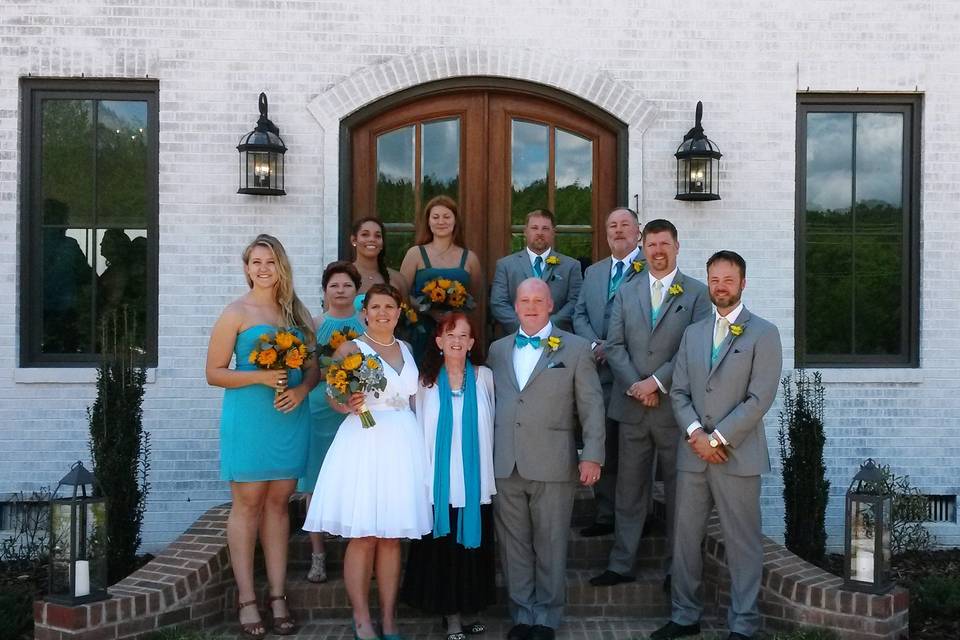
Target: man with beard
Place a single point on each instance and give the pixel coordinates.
(724, 380)
(649, 316)
(537, 260)
(591, 317)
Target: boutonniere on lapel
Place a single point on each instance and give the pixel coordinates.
(675, 289)
(553, 261)
(638, 265)
(736, 329)
(554, 343)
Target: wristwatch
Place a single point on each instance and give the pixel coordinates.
(714, 443)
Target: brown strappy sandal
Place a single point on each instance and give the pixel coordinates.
(282, 625)
(253, 629)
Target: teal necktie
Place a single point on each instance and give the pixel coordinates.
(522, 341)
(538, 266)
(615, 280)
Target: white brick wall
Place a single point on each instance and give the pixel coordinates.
(646, 62)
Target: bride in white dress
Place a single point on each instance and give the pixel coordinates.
(371, 487)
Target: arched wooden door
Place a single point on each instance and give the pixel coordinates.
(499, 153)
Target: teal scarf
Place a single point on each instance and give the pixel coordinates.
(468, 518)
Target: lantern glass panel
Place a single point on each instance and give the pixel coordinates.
(258, 169)
(699, 175)
(864, 516)
(61, 512)
(78, 559)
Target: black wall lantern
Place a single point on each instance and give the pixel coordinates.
(867, 532)
(78, 541)
(698, 165)
(261, 157)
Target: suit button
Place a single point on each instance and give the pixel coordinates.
(649, 353)
(520, 400)
(705, 418)
(518, 424)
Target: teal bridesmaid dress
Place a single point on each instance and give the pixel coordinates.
(257, 442)
(324, 421)
(421, 278)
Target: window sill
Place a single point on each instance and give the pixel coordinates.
(870, 376)
(65, 375)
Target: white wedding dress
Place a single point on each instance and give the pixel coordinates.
(372, 482)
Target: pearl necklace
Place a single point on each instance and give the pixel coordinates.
(382, 344)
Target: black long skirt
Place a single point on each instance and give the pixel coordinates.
(443, 577)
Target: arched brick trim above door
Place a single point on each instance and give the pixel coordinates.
(372, 83)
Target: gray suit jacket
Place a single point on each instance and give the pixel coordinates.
(730, 395)
(534, 428)
(591, 314)
(563, 279)
(637, 350)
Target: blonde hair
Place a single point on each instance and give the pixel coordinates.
(292, 311)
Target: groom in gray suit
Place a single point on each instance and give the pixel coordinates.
(591, 317)
(649, 316)
(545, 379)
(537, 260)
(725, 378)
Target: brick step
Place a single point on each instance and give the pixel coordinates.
(582, 552)
(644, 598)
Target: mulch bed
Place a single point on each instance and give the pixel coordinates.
(907, 570)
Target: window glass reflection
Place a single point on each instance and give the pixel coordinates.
(395, 175)
(574, 178)
(440, 159)
(528, 169)
(67, 301)
(122, 162)
(67, 161)
(121, 269)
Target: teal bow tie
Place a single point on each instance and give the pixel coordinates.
(522, 341)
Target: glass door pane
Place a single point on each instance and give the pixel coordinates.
(574, 195)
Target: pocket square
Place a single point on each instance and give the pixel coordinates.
(556, 365)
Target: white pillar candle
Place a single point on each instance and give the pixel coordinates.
(81, 572)
(863, 570)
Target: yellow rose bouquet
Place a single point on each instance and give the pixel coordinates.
(444, 294)
(337, 338)
(353, 373)
(279, 350)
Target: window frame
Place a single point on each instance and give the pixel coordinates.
(910, 105)
(32, 92)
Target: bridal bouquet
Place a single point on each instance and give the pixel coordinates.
(353, 373)
(444, 294)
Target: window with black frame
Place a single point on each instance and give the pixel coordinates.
(857, 230)
(90, 217)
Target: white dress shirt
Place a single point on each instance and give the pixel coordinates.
(732, 319)
(533, 257)
(525, 358)
(627, 263)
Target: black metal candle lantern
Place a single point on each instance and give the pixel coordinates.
(867, 532)
(78, 541)
(261, 157)
(698, 165)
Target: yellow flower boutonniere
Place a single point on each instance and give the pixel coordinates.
(675, 290)
(638, 265)
(736, 329)
(554, 342)
(553, 261)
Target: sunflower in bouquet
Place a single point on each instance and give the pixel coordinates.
(444, 294)
(354, 373)
(281, 349)
(337, 338)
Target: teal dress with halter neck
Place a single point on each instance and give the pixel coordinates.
(324, 421)
(421, 278)
(257, 442)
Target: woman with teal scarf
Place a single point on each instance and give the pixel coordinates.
(451, 572)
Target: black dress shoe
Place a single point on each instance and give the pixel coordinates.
(609, 578)
(597, 529)
(541, 632)
(519, 632)
(673, 630)
(737, 636)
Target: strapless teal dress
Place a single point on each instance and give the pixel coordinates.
(421, 278)
(257, 442)
(324, 421)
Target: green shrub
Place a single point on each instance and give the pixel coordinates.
(936, 597)
(805, 487)
(16, 611)
(907, 530)
(119, 446)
